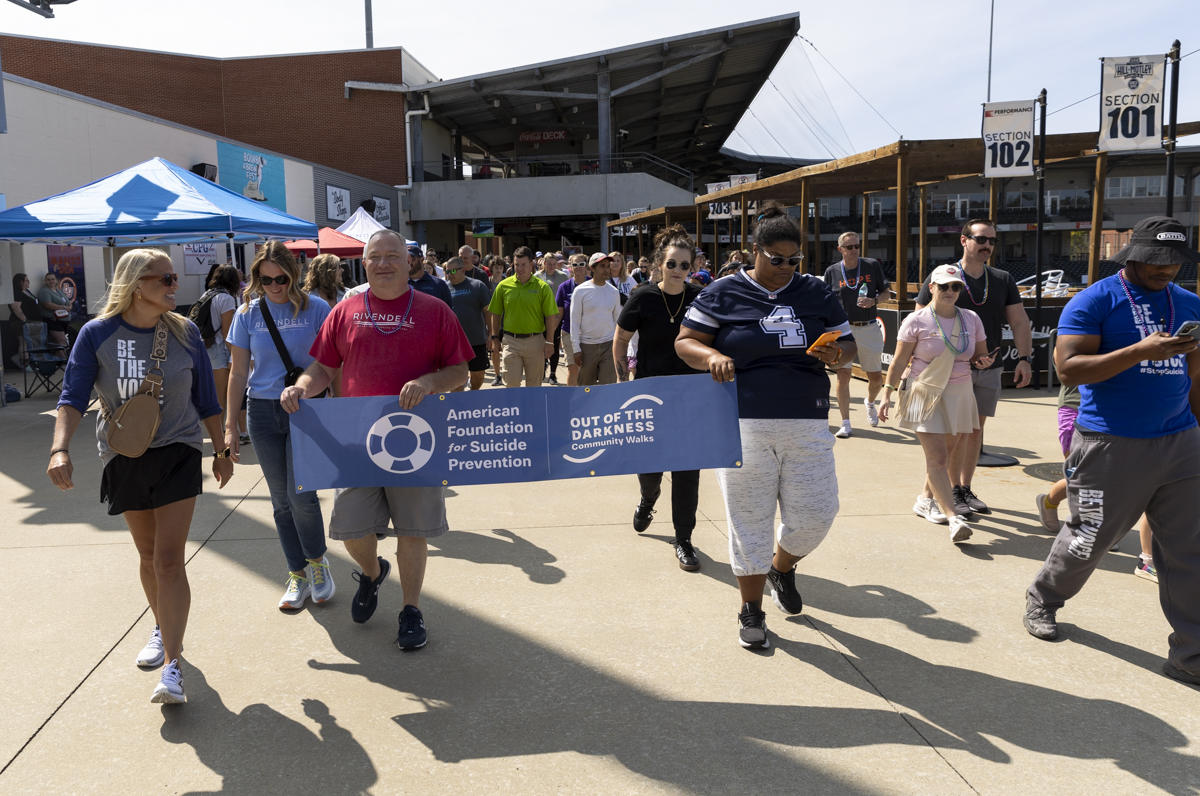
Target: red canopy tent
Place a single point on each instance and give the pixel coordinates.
(332, 242)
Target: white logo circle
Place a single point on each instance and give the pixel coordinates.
(408, 424)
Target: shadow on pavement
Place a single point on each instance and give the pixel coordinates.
(534, 561)
(873, 601)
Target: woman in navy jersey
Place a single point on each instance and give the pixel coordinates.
(761, 323)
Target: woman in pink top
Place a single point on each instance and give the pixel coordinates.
(941, 342)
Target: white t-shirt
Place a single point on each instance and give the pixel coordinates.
(594, 312)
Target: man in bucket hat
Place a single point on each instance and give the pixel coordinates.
(1136, 446)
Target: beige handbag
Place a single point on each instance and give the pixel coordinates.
(132, 428)
(919, 398)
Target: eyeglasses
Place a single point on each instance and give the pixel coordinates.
(452, 270)
(280, 280)
(982, 239)
(953, 287)
(849, 247)
(793, 261)
(671, 265)
(166, 279)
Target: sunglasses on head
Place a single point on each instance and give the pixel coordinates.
(982, 239)
(274, 280)
(953, 287)
(671, 265)
(166, 279)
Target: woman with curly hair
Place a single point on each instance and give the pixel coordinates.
(324, 279)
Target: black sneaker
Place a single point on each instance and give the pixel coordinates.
(783, 591)
(367, 599)
(972, 500)
(554, 379)
(686, 555)
(412, 629)
(961, 507)
(1176, 673)
(643, 515)
(497, 382)
(1041, 622)
(753, 634)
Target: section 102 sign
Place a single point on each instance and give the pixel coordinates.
(1008, 138)
(1131, 102)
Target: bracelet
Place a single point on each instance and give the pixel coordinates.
(60, 450)
(890, 387)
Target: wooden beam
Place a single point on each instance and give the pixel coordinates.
(804, 223)
(745, 201)
(994, 215)
(902, 225)
(923, 254)
(1098, 218)
(639, 229)
(866, 214)
(699, 229)
(814, 265)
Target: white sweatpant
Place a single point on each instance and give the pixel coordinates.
(787, 462)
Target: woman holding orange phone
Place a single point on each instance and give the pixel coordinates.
(769, 325)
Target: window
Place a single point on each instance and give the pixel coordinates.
(1179, 186)
(1143, 187)
(1119, 187)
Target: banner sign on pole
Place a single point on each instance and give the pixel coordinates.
(719, 209)
(1131, 102)
(514, 436)
(1008, 138)
(66, 262)
(198, 258)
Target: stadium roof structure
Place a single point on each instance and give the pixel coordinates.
(678, 98)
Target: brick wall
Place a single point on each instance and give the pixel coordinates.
(294, 105)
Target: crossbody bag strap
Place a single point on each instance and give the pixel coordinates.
(283, 352)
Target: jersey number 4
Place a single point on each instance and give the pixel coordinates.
(782, 321)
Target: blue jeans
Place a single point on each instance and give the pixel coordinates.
(297, 516)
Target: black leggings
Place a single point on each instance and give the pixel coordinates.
(557, 349)
(685, 494)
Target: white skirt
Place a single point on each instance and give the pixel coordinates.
(955, 413)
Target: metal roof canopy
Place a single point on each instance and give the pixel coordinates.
(679, 98)
(656, 215)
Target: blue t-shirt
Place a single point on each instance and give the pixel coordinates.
(433, 287)
(563, 299)
(767, 334)
(249, 331)
(1150, 399)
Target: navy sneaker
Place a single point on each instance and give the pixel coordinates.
(412, 629)
(367, 599)
(784, 592)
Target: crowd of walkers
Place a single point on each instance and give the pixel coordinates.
(420, 326)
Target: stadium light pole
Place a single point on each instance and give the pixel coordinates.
(370, 27)
(991, 27)
(41, 7)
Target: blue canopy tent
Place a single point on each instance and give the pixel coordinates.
(154, 202)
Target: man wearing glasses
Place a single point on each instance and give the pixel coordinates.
(992, 294)
(579, 275)
(471, 299)
(595, 308)
(858, 282)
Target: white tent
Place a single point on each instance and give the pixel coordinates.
(362, 225)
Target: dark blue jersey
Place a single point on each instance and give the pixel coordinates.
(767, 334)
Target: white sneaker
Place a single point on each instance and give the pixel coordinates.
(296, 592)
(929, 509)
(1048, 517)
(169, 690)
(322, 580)
(844, 431)
(959, 530)
(152, 654)
(872, 412)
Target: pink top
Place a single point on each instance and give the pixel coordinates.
(921, 328)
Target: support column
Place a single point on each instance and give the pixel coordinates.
(902, 226)
(604, 233)
(699, 228)
(624, 240)
(745, 225)
(994, 215)
(815, 263)
(923, 255)
(418, 147)
(639, 233)
(1097, 218)
(862, 241)
(604, 122)
(804, 224)
(458, 157)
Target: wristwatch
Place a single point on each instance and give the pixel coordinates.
(495, 337)
(221, 454)
(1028, 359)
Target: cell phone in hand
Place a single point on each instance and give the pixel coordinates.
(1189, 329)
(824, 339)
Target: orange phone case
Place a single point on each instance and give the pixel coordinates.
(827, 337)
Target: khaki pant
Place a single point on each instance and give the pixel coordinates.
(597, 367)
(524, 355)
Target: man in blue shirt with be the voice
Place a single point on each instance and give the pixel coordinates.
(1125, 342)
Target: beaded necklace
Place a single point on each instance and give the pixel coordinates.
(986, 284)
(857, 279)
(371, 315)
(1137, 316)
(964, 335)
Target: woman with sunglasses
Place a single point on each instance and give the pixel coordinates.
(297, 316)
(763, 323)
(155, 493)
(654, 313)
(942, 341)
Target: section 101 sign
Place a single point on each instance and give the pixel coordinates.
(1131, 102)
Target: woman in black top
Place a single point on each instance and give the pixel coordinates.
(654, 312)
(24, 308)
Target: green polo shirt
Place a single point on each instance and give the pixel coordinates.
(524, 307)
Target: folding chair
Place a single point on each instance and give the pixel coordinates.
(43, 364)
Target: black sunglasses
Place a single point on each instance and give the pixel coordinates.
(982, 239)
(274, 280)
(166, 279)
(793, 261)
(954, 287)
(850, 246)
(671, 265)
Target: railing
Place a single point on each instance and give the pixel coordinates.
(559, 166)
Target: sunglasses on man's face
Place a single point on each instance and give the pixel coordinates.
(166, 279)
(671, 265)
(982, 239)
(280, 280)
(953, 287)
(793, 261)
(452, 270)
(850, 247)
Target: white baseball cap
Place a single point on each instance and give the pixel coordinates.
(946, 274)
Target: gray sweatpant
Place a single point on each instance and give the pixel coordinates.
(1111, 481)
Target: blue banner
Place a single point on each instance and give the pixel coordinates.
(516, 435)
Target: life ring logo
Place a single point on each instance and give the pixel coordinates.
(400, 442)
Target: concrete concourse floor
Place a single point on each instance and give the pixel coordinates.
(569, 653)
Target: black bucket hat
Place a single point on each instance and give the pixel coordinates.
(1158, 240)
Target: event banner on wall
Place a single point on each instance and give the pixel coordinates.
(252, 174)
(66, 262)
(199, 257)
(1008, 138)
(1131, 102)
(513, 436)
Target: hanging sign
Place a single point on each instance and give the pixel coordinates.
(1008, 138)
(1131, 102)
(198, 258)
(337, 203)
(719, 209)
(542, 136)
(383, 210)
(66, 262)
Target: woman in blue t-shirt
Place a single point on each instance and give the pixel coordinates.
(761, 323)
(275, 279)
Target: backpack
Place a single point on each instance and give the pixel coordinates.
(200, 314)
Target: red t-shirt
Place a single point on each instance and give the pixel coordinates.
(381, 364)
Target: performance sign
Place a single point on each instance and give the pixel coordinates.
(1131, 102)
(513, 436)
(1008, 138)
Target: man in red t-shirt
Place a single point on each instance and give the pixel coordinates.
(388, 340)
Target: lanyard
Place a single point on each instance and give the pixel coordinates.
(987, 283)
(857, 279)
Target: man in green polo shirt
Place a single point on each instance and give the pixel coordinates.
(525, 306)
